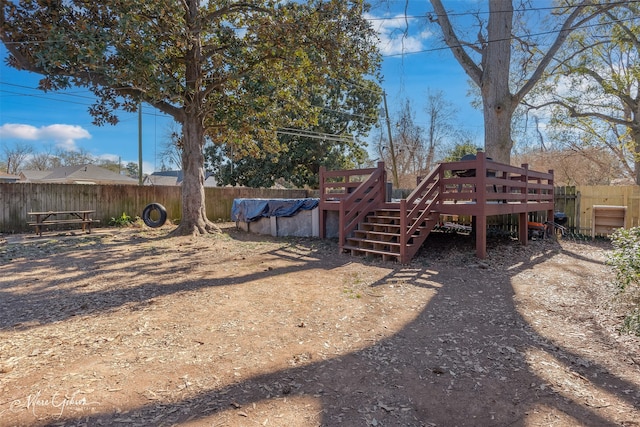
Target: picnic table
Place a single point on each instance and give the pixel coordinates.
(43, 219)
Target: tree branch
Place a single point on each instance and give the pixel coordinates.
(565, 30)
(451, 39)
(632, 36)
(236, 7)
(573, 112)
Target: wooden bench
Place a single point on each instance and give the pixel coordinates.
(43, 219)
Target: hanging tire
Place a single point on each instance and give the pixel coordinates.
(150, 210)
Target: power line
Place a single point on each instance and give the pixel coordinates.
(42, 96)
(316, 135)
(284, 131)
(489, 12)
(64, 101)
(510, 38)
(35, 88)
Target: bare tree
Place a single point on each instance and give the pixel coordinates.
(600, 101)
(489, 61)
(408, 146)
(40, 161)
(112, 165)
(416, 146)
(441, 115)
(15, 156)
(171, 155)
(409, 141)
(73, 158)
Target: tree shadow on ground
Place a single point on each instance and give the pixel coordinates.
(38, 301)
(467, 359)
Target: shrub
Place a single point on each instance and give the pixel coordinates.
(625, 258)
(121, 221)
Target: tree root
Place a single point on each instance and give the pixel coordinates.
(202, 228)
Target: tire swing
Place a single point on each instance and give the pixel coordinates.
(149, 213)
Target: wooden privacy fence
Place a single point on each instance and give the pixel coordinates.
(109, 201)
(16, 199)
(589, 196)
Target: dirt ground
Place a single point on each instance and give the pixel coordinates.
(129, 327)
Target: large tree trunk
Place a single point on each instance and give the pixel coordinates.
(194, 216)
(496, 97)
(498, 112)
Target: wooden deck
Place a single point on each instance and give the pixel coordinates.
(477, 188)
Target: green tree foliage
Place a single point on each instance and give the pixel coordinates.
(132, 170)
(350, 108)
(232, 72)
(625, 258)
(456, 152)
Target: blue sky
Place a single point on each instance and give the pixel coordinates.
(48, 121)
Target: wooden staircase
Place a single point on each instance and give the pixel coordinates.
(380, 235)
(394, 231)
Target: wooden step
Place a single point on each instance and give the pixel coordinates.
(376, 251)
(378, 224)
(372, 241)
(386, 256)
(376, 215)
(375, 233)
(372, 234)
(382, 224)
(393, 229)
(364, 243)
(379, 234)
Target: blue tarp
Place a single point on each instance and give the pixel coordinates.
(247, 210)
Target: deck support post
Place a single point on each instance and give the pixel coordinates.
(480, 193)
(551, 218)
(523, 228)
(342, 237)
(551, 212)
(481, 236)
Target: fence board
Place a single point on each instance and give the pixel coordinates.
(628, 195)
(16, 199)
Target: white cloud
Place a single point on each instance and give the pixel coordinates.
(64, 136)
(398, 34)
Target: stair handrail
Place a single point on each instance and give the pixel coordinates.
(422, 200)
(366, 198)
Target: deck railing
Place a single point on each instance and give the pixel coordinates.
(417, 207)
(354, 193)
(480, 187)
(496, 183)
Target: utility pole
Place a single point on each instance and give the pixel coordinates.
(394, 167)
